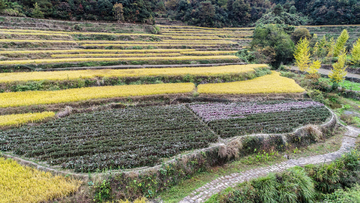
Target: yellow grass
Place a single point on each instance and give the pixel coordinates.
(97, 51)
(208, 52)
(25, 184)
(12, 99)
(19, 119)
(113, 55)
(70, 60)
(71, 75)
(273, 83)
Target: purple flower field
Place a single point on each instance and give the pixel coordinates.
(217, 111)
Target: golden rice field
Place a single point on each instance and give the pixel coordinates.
(32, 33)
(72, 60)
(70, 75)
(132, 43)
(73, 33)
(194, 46)
(267, 84)
(208, 52)
(13, 99)
(25, 184)
(19, 119)
(113, 55)
(98, 51)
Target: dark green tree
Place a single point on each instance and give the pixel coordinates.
(36, 12)
(274, 36)
(277, 11)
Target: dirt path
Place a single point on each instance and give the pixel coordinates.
(205, 192)
(326, 72)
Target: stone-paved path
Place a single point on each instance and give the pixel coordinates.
(323, 71)
(205, 192)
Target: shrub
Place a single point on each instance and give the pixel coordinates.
(300, 33)
(36, 12)
(274, 36)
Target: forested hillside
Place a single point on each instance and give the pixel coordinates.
(212, 13)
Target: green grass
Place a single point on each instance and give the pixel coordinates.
(345, 84)
(349, 105)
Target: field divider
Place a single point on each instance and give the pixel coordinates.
(220, 140)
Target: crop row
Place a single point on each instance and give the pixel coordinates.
(12, 99)
(35, 34)
(25, 184)
(133, 137)
(156, 45)
(70, 60)
(274, 122)
(122, 43)
(218, 111)
(273, 83)
(210, 34)
(208, 52)
(236, 119)
(201, 28)
(75, 33)
(18, 119)
(70, 75)
(114, 55)
(98, 51)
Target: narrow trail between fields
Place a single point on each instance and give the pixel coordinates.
(205, 192)
(323, 71)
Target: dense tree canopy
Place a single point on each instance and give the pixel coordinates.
(215, 13)
(133, 10)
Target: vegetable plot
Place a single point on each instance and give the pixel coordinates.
(235, 119)
(115, 139)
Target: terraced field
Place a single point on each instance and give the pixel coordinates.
(335, 31)
(91, 141)
(44, 48)
(86, 101)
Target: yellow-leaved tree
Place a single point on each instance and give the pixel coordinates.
(316, 50)
(339, 72)
(340, 42)
(330, 47)
(355, 52)
(314, 67)
(302, 54)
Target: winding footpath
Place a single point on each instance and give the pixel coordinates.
(205, 192)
